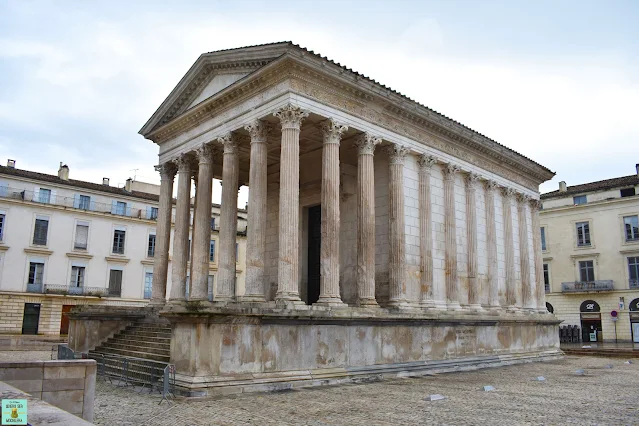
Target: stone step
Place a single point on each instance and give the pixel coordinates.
(146, 334)
(127, 340)
(151, 328)
(133, 353)
(130, 347)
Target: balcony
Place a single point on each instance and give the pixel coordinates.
(73, 290)
(587, 286)
(633, 284)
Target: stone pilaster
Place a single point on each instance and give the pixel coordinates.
(397, 262)
(256, 234)
(202, 225)
(527, 301)
(291, 118)
(491, 245)
(540, 287)
(163, 233)
(509, 247)
(450, 231)
(425, 163)
(471, 235)
(181, 233)
(228, 220)
(329, 252)
(365, 144)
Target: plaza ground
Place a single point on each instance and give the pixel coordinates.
(603, 396)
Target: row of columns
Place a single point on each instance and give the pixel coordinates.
(291, 118)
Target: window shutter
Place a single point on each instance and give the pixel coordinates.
(36, 194)
(4, 189)
(114, 207)
(76, 201)
(81, 236)
(52, 198)
(148, 212)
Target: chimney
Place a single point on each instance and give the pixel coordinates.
(63, 171)
(11, 163)
(127, 186)
(105, 181)
(562, 186)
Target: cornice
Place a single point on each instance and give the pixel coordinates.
(116, 259)
(38, 251)
(4, 247)
(79, 255)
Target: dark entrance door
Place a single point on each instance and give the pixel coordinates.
(31, 318)
(64, 321)
(314, 245)
(591, 321)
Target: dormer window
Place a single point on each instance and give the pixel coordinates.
(579, 199)
(627, 192)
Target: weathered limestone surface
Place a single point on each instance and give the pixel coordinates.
(491, 242)
(181, 234)
(450, 230)
(511, 286)
(426, 234)
(540, 293)
(471, 235)
(527, 300)
(163, 233)
(397, 263)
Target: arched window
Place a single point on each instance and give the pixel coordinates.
(590, 306)
(550, 308)
(634, 305)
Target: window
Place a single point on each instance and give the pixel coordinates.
(151, 246)
(543, 239)
(212, 224)
(118, 241)
(120, 208)
(148, 284)
(36, 271)
(44, 196)
(212, 251)
(81, 236)
(40, 232)
(579, 199)
(210, 287)
(633, 271)
(77, 276)
(586, 271)
(153, 213)
(115, 282)
(583, 234)
(1, 226)
(546, 278)
(627, 192)
(84, 202)
(631, 224)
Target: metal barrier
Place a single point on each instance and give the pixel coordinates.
(127, 371)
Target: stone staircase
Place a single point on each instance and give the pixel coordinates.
(142, 340)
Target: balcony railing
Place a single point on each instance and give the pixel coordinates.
(71, 202)
(73, 290)
(587, 286)
(633, 284)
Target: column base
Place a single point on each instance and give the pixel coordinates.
(454, 306)
(252, 298)
(427, 304)
(288, 300)
(440, 305)
(511, 309)
(475, 307)
(157, 302)
(399, 304)
(367, 303)
(331, 302)
(493, 308)
(223, 298)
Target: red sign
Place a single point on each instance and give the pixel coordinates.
(613, 314)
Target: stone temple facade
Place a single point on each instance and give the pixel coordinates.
(383, 237)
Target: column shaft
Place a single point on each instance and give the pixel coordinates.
(202, 227)
(397, 260)
(228, 220)
(288, 267)
(509, 246)
(450, 231)
(163, 233)
(540, 287)
(425, 232)
(181, 233)
(366, 220)
(191, 249)
(527, 301)
(491, 243)
(256, 233)
(330, 225)
(471, 235)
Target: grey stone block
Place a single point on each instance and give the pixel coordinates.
(580, 372)
(487, 388)
(29, 386)
(434, 397)
(540, 379)
(62, 384)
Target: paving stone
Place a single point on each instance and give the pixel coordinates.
(435, 397)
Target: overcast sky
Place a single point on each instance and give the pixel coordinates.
(557, 81)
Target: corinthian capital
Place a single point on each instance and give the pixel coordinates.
(471, 180)
(167, 170)
(535, 204)
(332, 130)
(291, 116)
(396, 153)
(426, 162)
(205, 153)
(184, 163)
(366, 142)
(490, 185)
(450, 170)
(507, 193)
(259, 130)
(229, 142)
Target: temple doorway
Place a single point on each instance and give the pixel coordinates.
(314, 247)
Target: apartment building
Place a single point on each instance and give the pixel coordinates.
(590, 244)
(66, 242)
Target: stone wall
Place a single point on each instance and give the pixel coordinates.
(69, 385)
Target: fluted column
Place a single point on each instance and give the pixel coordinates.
(425, 163)
(228, 220)
(256, 233)
(450, 231)
(491, 245)
(397, 261)
(509, 247)
(202, 225)
(471, 235)
(527, 301)
(365, 144)
(540, 288)
(329, 251)
(181, 233)
(163, 233)
(291, 118)
(194, 177)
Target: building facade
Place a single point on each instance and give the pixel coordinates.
(590, 243)
(381, 234)
(65, 242)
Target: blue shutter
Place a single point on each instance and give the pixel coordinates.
(114, 207)
(4, 189)
(53, 199)
(148, 212)
(76, 201)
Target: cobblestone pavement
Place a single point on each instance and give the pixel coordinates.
(602, 396)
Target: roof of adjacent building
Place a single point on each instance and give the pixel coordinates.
(601, 185)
